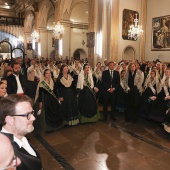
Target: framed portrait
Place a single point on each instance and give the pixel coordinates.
(127, 21)
(161, 33)
(90, 40)
(29, 46)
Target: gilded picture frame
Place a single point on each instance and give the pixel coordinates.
(90, 39)
(127, 21)
(161, 33)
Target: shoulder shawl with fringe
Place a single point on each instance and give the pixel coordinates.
(66, 82)
(47, 87)
(166, 84)
(139, 78)
(150, 83)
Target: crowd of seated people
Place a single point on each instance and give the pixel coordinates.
(66, 93)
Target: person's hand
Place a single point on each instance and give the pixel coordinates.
(96, 89)
(111, 90)
(61, 99)
(39, 112)
(153, 98)
(167, 98)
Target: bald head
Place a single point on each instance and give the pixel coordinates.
(6, 151)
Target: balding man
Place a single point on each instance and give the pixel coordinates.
(8, 160)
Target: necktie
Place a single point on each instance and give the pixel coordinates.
(111, 74)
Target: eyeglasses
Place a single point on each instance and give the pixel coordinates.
(28, 115)
(12, 165)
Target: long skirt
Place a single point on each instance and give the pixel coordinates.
(69, 106)
(87, 106)
(51, 117)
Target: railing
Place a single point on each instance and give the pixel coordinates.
(4, 20)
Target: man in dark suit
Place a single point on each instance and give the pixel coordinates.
(110, 82)
(16, 83)
(17, 120)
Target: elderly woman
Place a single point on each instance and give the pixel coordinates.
(133, 83)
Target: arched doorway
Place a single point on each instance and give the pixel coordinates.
(79, 54)
(18, 52)
(129, 53)
(6, 49)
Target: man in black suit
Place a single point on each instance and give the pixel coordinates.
(16, 83)
(17, 120)
(110, 82)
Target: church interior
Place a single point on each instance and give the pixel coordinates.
(93, 30)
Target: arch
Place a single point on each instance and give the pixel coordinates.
(29, 21)
(4, 41)
(77, 12)
(46, 10)
(129, 53)
(6, 36)
(79, 54)
(23, 52)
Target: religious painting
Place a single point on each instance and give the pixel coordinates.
(90, 40)
(29, 46)
(161, 33)
(127, 21)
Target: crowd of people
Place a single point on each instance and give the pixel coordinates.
(66, 93)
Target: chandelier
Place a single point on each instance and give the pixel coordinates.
(35, 35)
(58, 29)
(135, 31)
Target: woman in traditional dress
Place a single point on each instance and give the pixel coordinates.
(75, 71)
(49, 116)
(87, 98)
(133, 82)
(121, 94)
(97, 78)
(64, 85)
(152, 87)
(166, 86)
(159, 107)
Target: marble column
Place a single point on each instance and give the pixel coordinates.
(91, 29)
(114, 30)
(57, 18)
(43, 42)
(57, 11)
(143, 23)
(106, 24)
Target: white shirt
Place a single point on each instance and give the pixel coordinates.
(22, 143)
(19, 90)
